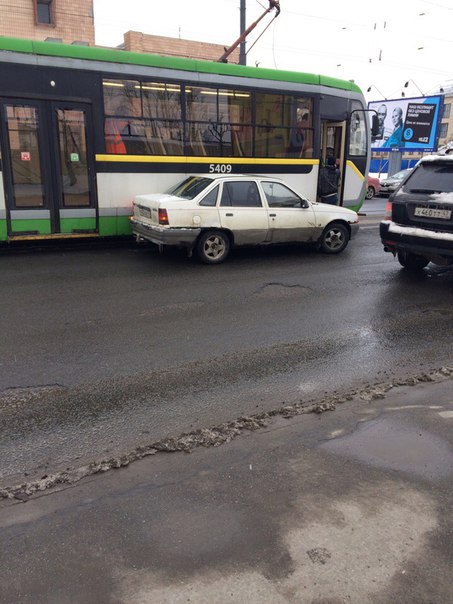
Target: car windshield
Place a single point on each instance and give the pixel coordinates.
(190, 187)
(431, 177)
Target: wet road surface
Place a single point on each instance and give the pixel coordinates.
(350, 505)
(112, 348)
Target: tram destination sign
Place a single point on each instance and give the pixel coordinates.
(407, 124)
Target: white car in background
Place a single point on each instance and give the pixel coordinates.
(391, 183)
(210, 214)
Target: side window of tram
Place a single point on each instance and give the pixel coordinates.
(23, 125)
(284, 126)
(122, 107)
(142, 118)
(357, 134)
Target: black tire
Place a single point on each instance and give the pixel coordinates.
(412, 262)
(370, 192)
(334, 238)
(213, 247)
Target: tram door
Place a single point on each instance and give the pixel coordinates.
(333, 135)
(48, 168)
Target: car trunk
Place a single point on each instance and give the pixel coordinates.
(146, 207)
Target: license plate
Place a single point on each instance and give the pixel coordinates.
(145, 212)
(433, 213)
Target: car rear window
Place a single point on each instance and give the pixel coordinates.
(190, 187)
(431, 177)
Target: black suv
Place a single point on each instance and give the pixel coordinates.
(418, 227)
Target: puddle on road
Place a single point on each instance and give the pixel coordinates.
(385, 443)
(282, 290)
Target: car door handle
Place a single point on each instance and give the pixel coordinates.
(272, 215)
(229, 214)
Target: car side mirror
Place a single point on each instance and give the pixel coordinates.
(374, 125)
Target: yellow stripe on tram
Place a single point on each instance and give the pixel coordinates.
(355, 169)
(171, 159)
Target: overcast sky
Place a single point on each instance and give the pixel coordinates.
(381, 44)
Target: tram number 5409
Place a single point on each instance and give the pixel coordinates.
(220, 168)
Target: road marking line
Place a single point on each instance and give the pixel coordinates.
(446, 414)
(414, 407)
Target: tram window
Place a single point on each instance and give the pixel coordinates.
(125, 136)
(210, 138)
(234, 106)
(146, 118)
(357, 134)
(220, 122)
(201, 104)
(271, 141)
(284, 126)
(164, 137)
(161, 100)
(218, 105)
(303, 129)
(122, 97)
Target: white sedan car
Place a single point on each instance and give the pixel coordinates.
(210, 214)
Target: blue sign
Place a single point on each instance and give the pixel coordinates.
(407, 124)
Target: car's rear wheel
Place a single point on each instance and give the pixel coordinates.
(412, 262)
(370, 192)
(213, 247)
(334, 238)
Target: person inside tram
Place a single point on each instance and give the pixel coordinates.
(122, 135)
(329, 178)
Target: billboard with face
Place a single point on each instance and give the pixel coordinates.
(407, 124)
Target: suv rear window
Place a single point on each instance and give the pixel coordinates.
(431, 177)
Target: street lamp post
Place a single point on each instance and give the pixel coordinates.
(407, 84)
(376, 88)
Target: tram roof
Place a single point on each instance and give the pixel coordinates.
(115, 55)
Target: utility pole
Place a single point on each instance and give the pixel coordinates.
(273, 4)
(242, 53)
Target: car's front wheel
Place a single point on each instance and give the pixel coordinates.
(370, 192)
(213, 247)
(334, 238)
(412, 262)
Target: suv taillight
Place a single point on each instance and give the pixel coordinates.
(163, 216)
(388, 211)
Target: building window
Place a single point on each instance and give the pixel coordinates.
(446, 111)
(44, 12)
(443, 130)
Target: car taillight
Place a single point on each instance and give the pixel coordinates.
(163, 216)
(388, 211)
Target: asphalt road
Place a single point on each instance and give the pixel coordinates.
(314, 373)
(111, 348)
(350, 505)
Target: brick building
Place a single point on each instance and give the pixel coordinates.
(67, 21)
(72, 22)
(446, 124)
(175, 47)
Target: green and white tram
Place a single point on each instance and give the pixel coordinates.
(83, 130)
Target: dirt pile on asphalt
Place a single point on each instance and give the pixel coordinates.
(214, 436)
